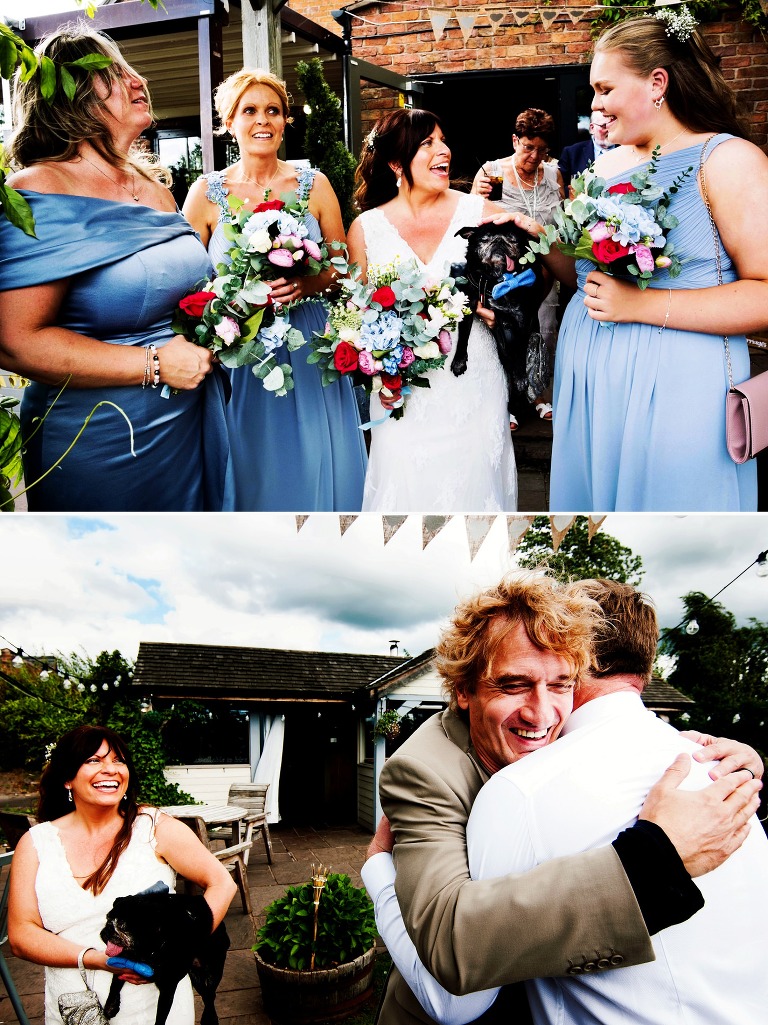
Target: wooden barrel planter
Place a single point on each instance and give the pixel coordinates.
(327, 994)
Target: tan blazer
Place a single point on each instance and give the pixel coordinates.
(470, 934)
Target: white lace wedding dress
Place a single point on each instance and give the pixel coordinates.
(452, 450)
(68, 910)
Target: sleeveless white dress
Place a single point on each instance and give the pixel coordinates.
(68, 910)
(452, 450)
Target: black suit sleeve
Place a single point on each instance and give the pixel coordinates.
(665, 892)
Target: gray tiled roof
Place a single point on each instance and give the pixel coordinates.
(220, 671)
(660, 695)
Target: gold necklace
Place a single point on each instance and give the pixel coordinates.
(131, 192)
(663, 145)
(255, 181)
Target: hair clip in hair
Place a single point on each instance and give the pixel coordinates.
(370, 140)
(680, 23)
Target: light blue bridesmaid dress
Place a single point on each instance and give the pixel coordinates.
(127, 266)
(303, 451)
(639, 414)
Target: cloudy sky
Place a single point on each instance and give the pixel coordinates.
(92, 583)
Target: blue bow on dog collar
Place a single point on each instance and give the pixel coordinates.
(508, 282)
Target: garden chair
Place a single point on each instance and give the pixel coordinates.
(252, 796)
(5, 972)
(233, 858)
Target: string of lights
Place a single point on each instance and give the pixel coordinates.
(691, 625)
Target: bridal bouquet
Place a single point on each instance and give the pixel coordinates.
(621, 228)
(391, 331)
(233, 314)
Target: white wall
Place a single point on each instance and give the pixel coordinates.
(208, 784)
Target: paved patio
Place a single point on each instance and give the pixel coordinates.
(239, 997)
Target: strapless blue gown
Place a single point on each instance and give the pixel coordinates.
(302, 452)
(127, 266)
(639, 417)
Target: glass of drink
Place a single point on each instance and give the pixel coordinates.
(496, 178)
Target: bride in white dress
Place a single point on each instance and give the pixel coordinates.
(452, 449)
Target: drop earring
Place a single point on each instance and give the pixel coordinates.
(399, 180)
(659, 102)
(69, 795)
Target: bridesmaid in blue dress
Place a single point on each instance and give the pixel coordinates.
(87, 305)
(639, 417)
(303, 451)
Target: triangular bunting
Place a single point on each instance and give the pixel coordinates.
(466, 24)
(575, 15)
(391, 525)
(300, 521)
(495, 18)
(431, 527)
(439, 20)
(516, 527)
(345, 522)
(548, 17)
(560, 526)
(593, 525)
(477, 531)
(521, 16)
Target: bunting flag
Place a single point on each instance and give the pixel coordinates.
(516, 527)
(300, 521)
(593, 525)
(431, 527)
(466, 24)
(496, 17)
(391, 525)
(548, 17)
(521, 16)
(575, 15)
(439, 20)
(560, 526)
(345, 522)
(477, 530)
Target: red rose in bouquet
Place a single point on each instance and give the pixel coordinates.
(195, 304)
(345, 358)
(384, 296)
(272, 204)
(607, 251)
(621, 188)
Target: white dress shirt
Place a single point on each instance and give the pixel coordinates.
(577, 794)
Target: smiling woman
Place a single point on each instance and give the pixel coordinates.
(94, 843)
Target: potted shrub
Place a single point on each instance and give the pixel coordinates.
(314, 953)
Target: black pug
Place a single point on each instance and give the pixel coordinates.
(493, 251)
(171, 933)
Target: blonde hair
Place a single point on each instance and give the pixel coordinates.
(49, 131)
(557, 617)
(228, 94)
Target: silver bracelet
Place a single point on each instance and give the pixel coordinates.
(669, 307)
(81, 958)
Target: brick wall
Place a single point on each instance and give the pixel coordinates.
(399, 36)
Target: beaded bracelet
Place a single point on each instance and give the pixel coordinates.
(155, 365)
(147, 373)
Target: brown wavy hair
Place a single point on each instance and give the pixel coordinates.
(534, 122)
(395, 138)
(557, 617)
(627, 636)
(697, 94)
(54, 131)
(70, 753)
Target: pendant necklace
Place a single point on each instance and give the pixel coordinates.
(131, 192)
(663, 145)
(267, 190)
(531, 208)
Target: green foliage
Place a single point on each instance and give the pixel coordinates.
(724, 667)
(578, 558)
(323, 144)
(387, 725)
(10, 451)
(614, 11)
(34, 713)
(346, 927)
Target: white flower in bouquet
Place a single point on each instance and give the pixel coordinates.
(430, 350)
(260, 241)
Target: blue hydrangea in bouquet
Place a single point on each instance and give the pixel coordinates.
(621, 228)
(389, 332)
(233, 314)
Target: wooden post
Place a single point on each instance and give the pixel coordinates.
(209, 47)
(262, 47)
